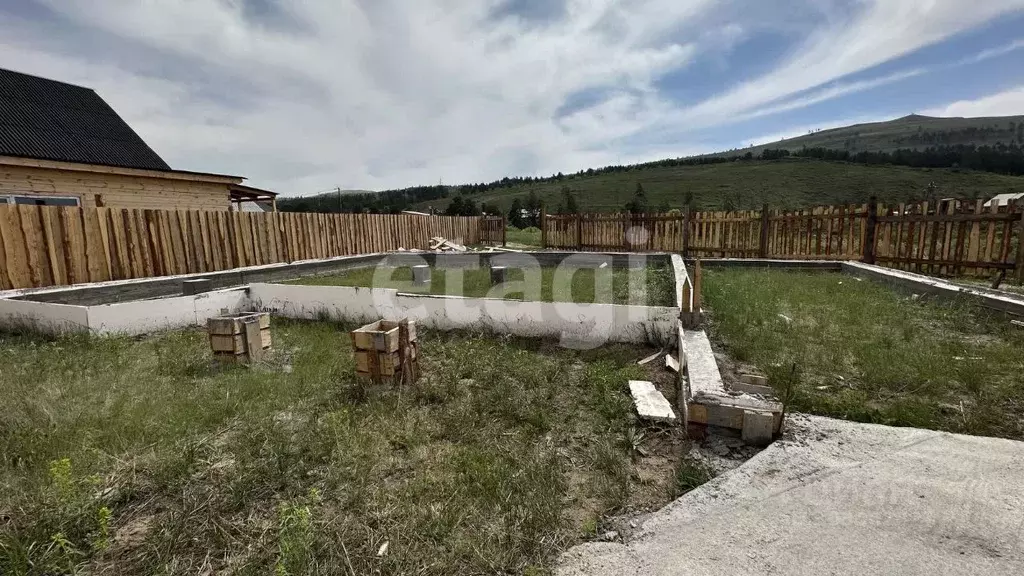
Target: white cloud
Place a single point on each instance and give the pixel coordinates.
(1008, 103)
(382, 93)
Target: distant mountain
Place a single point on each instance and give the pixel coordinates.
(910, 132)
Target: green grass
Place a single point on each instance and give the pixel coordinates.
(658, 282)
(529, 237)
(138, 456)
(789, 184)
(861, 351)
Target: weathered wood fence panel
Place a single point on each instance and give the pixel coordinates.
(59, 245)
(492, 230)
(948, 238)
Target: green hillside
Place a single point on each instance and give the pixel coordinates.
(789, 183)
(914, 131)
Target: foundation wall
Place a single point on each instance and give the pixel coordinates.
(576, 325)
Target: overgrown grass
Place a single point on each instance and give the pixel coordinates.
(523, 237)
(651, 286)
(138, 456)
(861, 351)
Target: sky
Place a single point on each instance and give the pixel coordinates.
(301, 96)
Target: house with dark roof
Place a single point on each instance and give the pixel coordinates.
(63, 145)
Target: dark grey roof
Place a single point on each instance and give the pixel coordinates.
(51, 120)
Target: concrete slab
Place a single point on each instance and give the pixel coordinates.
(838, 498)
(650, 404)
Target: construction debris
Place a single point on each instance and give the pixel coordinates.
(650, 404)
(651, 358)
(753, 384)
(441, 244)
(671, 363)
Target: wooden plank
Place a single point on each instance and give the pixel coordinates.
(254, 340)
(1019, 261)
(19, 271)
(960, 238)
(991, 235)
(974, 242)
(1007, 238)
(922, 237)
(155, 234)
(5, 282)
(179, 239)
(74, 244)
(200, 247)
(122, 268)
(142, 244)
(949, 216)
(35, 245)
(95, 251)
(54, 239)
(109, 256)
(947, 236)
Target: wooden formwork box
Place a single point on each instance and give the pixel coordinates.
(387, 349)
(241, 338)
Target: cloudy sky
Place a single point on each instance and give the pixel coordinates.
(304, 95)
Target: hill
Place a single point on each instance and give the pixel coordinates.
(900, 160)
(910, 132)
(787, 183)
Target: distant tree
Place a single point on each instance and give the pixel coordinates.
(455, 207)
(729, 203)
(569, 204)
(461, 206)
(490, 209)
(515, 214)
(688, 201)
(533, 206)
(638, 205)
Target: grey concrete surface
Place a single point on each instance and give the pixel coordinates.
(837, 497)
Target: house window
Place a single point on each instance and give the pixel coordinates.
(40, 200)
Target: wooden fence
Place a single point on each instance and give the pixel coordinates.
(492, 230)
(945, 238)
(53, 246)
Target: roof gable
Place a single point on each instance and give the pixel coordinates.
(50, 120)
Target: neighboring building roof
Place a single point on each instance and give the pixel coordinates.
(101, 169)
(1004, 199)
(51, 120)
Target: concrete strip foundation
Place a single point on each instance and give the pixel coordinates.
(128, 318)
(917, 283)
(576, 325)
(710, 403)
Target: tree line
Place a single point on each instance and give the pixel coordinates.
(999, 158)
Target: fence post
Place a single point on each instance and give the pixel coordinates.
(1019, 265)
(686, 233)
(870, 231)
(543, 226)
(763, 248)
(579, 232)
(504, 231)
